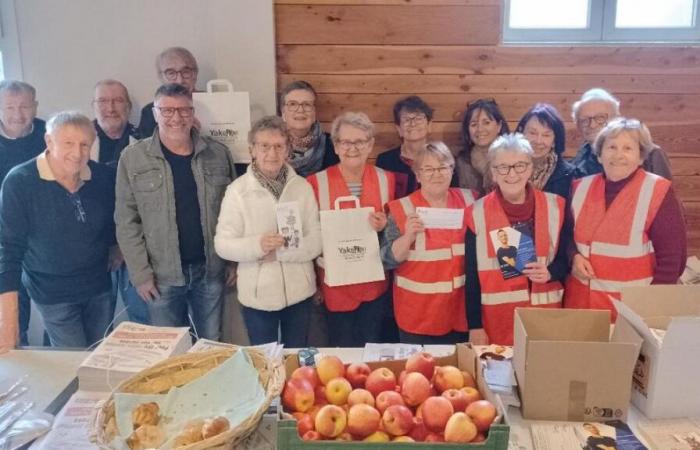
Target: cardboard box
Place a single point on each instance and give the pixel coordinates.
(568, 366)
(665, 380)
(464, 357)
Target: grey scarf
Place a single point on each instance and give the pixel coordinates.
(274, 185)
(309, 160)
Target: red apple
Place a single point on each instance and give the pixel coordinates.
(358, 396)
(472, 394)
(421, 362)
(397, 420)
(388, 398)
(331, 421)
(320, 393)
(460, 428)
(402, 376)
(298, 395)
(338, 390)
(380, 380)
(312, 435)
(357, 373)
(457, 397)
(329, 367)
(419, 431)
(434, 437)
(448, 377)
(313, 411)
(479, 438)
(308, 373)
(482, 413)
(468, 379)
(304, 423)
(415, 389)
(436, 412)
(344, 436)
(363, 420)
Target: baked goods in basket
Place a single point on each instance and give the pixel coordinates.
(215, 426)
(146, 437)
(191, 433)
(145, 414)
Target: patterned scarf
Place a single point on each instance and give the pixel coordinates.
(274, 185)
(542, 169)
(306, 156)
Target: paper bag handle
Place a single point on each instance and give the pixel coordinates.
(347, 198)
(219, 82)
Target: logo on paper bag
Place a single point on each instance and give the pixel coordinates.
(228, 133)
(352, 253)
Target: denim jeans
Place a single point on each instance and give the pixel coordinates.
(264, 326)
(200, 296)
(358, 327)
(78, 324)
(136, 308)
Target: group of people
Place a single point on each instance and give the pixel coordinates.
(157, 214)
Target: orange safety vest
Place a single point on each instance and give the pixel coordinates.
(616, 240)
(429, 285)
(377, 191)
(500, 297)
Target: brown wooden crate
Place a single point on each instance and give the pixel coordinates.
(387, 24)
(396, 59)
(494, 85)
(390, 2)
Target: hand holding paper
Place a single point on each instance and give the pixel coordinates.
(443, 218)
(270, 242)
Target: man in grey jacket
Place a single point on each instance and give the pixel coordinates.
(169, 192)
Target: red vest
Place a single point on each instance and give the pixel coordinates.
(500, 297)
(377, 191)
(616, 240)
(429, 285)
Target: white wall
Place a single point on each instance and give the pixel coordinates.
(65, 46)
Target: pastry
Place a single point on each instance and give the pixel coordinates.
(215, 426)
(145, 414)
(191, 433)
(146, 437)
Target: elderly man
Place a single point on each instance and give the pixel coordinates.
(112, 107)
(56, 231)
(169, 192)
(174, 65)
(591, 113)
(21, 139)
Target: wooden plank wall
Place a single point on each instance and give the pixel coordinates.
(365, 55)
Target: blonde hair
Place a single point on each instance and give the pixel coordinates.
(632, 126)
(439, 150)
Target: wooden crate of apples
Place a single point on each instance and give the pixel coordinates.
(421, 399)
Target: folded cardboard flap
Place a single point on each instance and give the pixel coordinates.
(561, 325)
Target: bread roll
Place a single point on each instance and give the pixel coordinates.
(191, 433)
(145, 437)
(145, 414)
(215, 426)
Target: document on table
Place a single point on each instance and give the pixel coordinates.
(443, 218)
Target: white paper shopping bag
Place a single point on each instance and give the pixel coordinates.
(225, 116)
(350, 245)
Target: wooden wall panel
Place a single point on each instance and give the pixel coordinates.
(363, 55)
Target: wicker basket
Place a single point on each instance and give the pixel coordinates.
(180, 370)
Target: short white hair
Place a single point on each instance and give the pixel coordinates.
(595, 94)
(510, 142)
(65, 118)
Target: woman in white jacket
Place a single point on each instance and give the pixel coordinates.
(276, 278)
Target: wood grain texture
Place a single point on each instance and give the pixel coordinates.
(387, 24)
(392, 2)
(433, 59)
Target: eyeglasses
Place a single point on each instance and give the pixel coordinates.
(186, 73)
(345, 144)
(80, 214)
(599, 119)
(104, 102)
(413, 120)
(267, 148)
(294, 106)
(168, 112)
(431, 171)
(519, 167)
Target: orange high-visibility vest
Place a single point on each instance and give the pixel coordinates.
(500, 297)
(616, 240)
(377, 191)
(429, 285)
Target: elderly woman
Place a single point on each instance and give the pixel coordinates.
(513, 254)
(591, 113)
(482, 123)
(354, 311)
(544, 129)
(428, 258)
(311, 149)
(628, 224)
(57, 237)
(276, 278)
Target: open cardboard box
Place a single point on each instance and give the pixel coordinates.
(569, 367)
(665, 378)
(464, 357)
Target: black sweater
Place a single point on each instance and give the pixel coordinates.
(14, 152)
